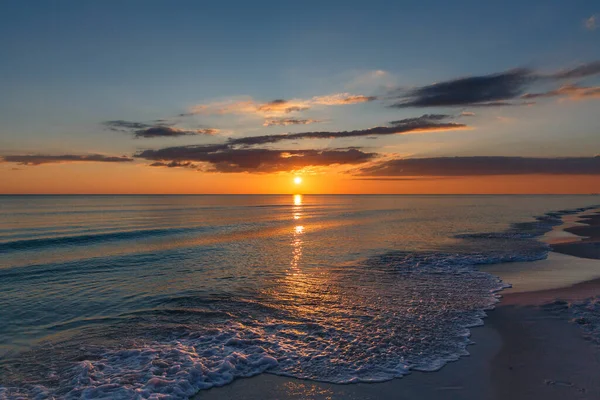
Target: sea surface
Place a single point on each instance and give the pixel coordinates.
(164, 296)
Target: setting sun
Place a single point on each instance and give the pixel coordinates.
(297, 180)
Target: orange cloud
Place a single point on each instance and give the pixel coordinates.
(574, 92)
(278, 107)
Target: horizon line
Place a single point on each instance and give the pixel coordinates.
(303, 194)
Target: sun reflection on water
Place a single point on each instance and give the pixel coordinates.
(297, 199)
(297, 210)
(297, 236)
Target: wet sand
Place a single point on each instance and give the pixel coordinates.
(589, 246)
(523, 351)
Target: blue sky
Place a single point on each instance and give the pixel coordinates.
(69, 66)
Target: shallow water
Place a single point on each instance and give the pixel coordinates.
(119, 296)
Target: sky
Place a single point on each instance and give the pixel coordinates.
(353, 97)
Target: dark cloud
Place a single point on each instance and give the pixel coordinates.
(288, 121)
(167, 131)
(406, 126)
(181, 153)
(572, 92)
(426, 118)
(502, 104)
(124, 126)
(495, 90)
(582, 71)
(174, 164)
(469, 91)
(236, 156)
(483, 165)
(159, 128)
(226, 159)
(39, 159)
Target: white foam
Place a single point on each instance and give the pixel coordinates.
(411, 311)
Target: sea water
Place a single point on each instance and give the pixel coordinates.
(163, 296)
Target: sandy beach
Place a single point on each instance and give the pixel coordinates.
(527, 348)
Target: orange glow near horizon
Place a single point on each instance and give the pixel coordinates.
(120, 179)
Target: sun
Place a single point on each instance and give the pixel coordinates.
(297, 180)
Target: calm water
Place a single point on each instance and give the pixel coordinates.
(124, 296)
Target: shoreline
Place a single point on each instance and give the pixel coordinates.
(522, 351)
(589, 245)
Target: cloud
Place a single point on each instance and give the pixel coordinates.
(236, 156)
(341, 98)
(426, 118)
(160, 128)
(278, 107)
(495, 90)
(484, 165)
(251, 107)
(502, 104)
(581, 71)
(467, 114)
(572, 92)
(174, 164)
(39, 159)
(476, 90)
(591, 23)
(225, 159)
(124, 126)
(179, 153)
(371, 80)
(288, 121)
(421, 124)
(167, 131)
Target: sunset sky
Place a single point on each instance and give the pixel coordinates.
(241, 97)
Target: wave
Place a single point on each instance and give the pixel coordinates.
(344, 332)
(368, 322)
(363, 325)
(31, 244)
(530, 229)
(584, 313)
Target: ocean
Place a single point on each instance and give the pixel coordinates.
(164, 296)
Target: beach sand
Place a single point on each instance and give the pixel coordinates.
(523, 351)
(589, 247)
